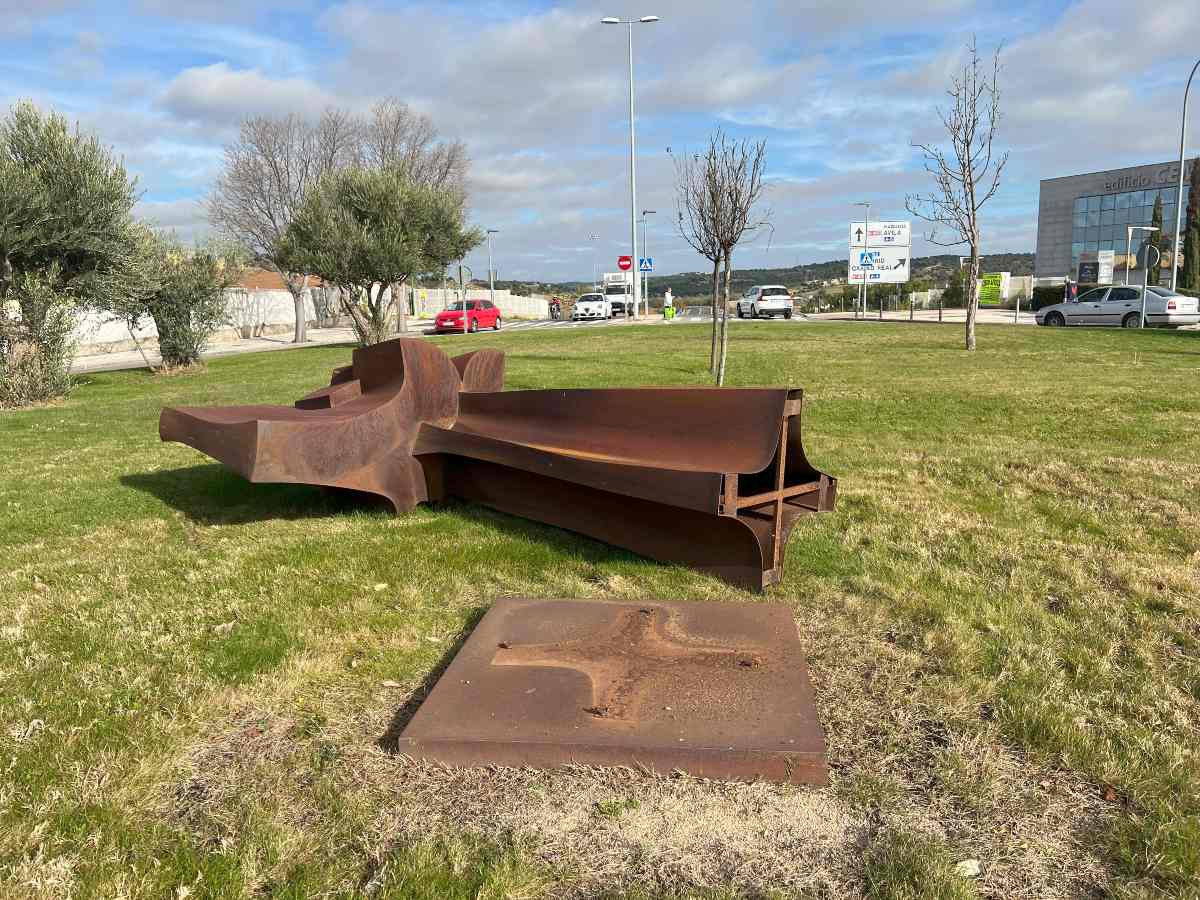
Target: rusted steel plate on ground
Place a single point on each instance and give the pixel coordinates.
(717, 690)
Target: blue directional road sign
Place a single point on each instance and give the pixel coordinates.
(646, 264)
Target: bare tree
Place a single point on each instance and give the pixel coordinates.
(395, 137)
(269, 170)
(739, 187)
(275, 163)
(696, 202)
(969, 175)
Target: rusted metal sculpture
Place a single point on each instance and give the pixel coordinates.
(712, 478)
(718, 690)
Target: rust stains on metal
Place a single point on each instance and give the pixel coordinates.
(717, 690)
(713, 478)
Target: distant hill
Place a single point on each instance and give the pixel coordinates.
(933, 269)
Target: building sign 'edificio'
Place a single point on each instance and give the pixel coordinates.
(1167, 175)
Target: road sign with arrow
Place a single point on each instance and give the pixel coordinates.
(881, 234)
(883, 265)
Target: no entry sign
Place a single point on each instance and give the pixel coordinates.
(624, 263)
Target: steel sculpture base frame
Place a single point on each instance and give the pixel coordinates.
(711, 478)
(716, 690)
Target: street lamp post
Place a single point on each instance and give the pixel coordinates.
(491, 268)
(644, 20)
(646, 250)
(866, 248)
(595, 271)
(1129, 230)
(1179, 192)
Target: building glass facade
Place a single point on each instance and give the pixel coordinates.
(1100, 222)
(1091, 212)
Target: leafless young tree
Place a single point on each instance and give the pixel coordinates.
(717, 193)
(968, 176)
(696, 202)
(739, 182)
(275, 162)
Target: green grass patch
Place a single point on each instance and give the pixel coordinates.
(1002, 620)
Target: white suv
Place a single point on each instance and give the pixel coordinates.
(765, 300)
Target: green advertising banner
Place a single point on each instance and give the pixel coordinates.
(993, 288)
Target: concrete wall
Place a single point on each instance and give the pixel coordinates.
(260, 312)
(265, 312)
(428, 302)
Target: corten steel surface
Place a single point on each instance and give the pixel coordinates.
(717, 690)
(713, 478)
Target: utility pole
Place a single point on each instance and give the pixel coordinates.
(646, 250)
(633, 236)
(491, 268)
(1179, 192)
(866, 252)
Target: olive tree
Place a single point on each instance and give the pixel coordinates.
(275, 162)
(68, 241)
(368, 231)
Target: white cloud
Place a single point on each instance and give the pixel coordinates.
(223, 96)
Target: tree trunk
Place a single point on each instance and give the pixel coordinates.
(973, 295)
(297, 285)
(398, 291)
(725, 322)
(716, 292)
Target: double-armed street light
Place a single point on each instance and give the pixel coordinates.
(644, 20)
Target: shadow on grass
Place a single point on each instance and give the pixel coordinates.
(389, 740)
(213, 495)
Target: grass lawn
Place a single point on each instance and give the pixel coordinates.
(199, 677)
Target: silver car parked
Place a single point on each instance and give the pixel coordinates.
(1121, 305)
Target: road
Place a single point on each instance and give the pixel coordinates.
(133, 359)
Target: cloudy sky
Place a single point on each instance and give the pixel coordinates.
(537, 90)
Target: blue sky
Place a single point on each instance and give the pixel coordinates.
(537, 90)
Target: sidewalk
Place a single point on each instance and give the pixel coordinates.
(984, 316)
(132, 359)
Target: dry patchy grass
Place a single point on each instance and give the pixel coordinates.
(201, 678)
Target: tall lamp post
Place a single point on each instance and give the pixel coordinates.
(595, 271)
(491, 268)
(644, 20)
(866, 247)
(1179, 192)
(646, 250)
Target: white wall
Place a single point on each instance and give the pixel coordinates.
(272, 312)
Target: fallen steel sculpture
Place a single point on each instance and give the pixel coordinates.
(717, 690)
(712, 478)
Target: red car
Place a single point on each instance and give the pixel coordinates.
(480, 314)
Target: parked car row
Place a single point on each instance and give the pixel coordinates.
(1121, 305)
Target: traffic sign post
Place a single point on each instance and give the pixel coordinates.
(880, 253)
(880, 265)
(880, 234)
